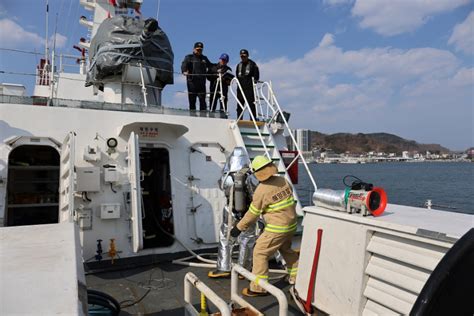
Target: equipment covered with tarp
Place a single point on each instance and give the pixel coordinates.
(122, 40)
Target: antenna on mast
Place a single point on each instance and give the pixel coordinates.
(46, 48)
(52, 81)
(158, 9)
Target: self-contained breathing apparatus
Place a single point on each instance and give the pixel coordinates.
(238, 184)
(243, 184)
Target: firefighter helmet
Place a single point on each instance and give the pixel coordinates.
(259, 162)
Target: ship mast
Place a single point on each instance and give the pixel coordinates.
(46, 47)
(43, 69)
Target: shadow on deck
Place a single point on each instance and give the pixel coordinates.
(158, 289)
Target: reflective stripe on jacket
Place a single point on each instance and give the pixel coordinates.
(274, 200)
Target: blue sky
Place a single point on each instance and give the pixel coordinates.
(398, 66)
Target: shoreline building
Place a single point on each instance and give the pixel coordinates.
(303, 139)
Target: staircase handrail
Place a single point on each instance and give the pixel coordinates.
(274, 102)
(267, 101)
(244, 107)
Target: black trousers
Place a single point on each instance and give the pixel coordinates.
(249, 95)
(197, 89)
(225, 92)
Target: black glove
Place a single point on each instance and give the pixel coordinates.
(235, 232)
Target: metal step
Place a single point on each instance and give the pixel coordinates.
(254, 134)
(245, 123)
(273, 159)
(259, 146)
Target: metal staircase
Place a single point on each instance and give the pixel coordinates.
(254, 145)
(266, 136)
(262, 142)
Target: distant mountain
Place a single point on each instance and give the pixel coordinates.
(377, 142)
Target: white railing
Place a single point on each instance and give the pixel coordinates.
(244, 107)
(80, 63)
(276, 292)
(273, 113)
(190, 281)
(272, 101)
(43, 75)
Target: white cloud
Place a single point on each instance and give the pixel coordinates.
(13, 35)
(463, 35)
(337, 2)
(328, 39)
(61, 40)
(388, 17)
(377, 89)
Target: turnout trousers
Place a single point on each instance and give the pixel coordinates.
(267, 245)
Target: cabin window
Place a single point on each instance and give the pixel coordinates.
(156, 192)
(33, 186)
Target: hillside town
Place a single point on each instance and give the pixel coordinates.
(317, 154)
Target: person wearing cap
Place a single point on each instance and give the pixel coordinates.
(247, 72)
(273, 199)
(225, 73)
(195, 67)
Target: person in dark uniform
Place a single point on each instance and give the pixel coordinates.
(225, 71)
(195, 67)
(246, 70)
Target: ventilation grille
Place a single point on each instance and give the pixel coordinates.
(397, 270)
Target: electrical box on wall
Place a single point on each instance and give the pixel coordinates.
(91, 153)
(111, 174)
(88, 179)
(109, 210)
(84, 218)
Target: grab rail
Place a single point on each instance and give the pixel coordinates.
(247, 106)
(190, 281)
(273, 108)
(276, 292)
(273, 102)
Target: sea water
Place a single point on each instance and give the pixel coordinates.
(449, 185)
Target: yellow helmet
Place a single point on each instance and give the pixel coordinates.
(259, 162)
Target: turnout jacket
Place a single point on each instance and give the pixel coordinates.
(245, 72)
(195, 65)
(274, 200)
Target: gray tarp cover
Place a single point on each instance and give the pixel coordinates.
(117, 42)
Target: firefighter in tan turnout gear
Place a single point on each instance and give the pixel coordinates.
(273, 199)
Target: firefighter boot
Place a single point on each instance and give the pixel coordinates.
(217, 274)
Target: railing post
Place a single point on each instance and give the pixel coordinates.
(276, 292)
(143, 85)
(223, 100)
(190, 281)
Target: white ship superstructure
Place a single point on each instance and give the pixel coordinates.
(115, 158)
(132, 178)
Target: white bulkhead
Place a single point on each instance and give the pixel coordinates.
(165, 169)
